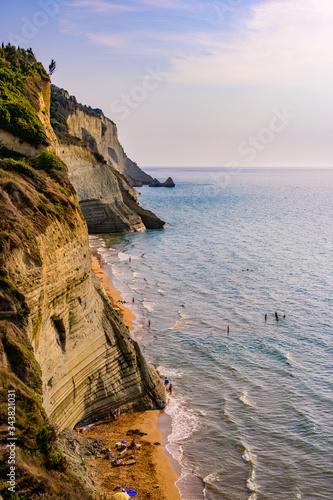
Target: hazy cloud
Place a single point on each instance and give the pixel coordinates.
(99, 6)
(282, 43)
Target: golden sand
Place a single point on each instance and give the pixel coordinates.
(152, 476)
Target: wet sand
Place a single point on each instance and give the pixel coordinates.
(152, 476)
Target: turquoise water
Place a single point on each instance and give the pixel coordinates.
(252, 410)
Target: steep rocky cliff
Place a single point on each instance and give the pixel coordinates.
(63, 348)
(103, 136)
(99, 168)
(86, 355)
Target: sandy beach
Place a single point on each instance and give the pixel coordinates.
(114, 295)
(152, 476)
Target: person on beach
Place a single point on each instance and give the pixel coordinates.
(112, 417)
(133, 445)
(118, 413)
(276, 316)
(130, 259)
(166, 382)
(265, 317)
(149, 322)
(228, 329)
(133, 300)
(170, 388)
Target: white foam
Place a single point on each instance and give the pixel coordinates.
(211, 477)
(244, 399)
(171, 373)
(248, 456)
(149, 305)
(251, 485)
(184, 321)
(160, 291)
(123, 257)
(184, 421)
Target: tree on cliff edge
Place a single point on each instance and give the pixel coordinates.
(52, 67)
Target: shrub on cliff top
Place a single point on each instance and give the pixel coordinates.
(21, 79)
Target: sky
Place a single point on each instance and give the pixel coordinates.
(223, 83)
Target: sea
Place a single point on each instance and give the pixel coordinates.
(252, 407)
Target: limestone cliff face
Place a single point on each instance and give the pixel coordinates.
(99, 168)
(102, 136)
(98, 189)
(87, 357)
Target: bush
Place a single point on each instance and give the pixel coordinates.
(47, 161)
(21, 78)
(45, 438)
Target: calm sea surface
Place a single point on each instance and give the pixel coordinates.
(252, 410)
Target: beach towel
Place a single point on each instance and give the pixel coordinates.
(130, 492)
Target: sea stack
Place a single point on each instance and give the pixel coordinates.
(168, 183)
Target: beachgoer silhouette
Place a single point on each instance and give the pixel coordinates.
(133, 445)
(170, 388)
(276, 316)
(265, 317)
(130, 259)
(166, 382)
(133, 300)
(228, 329)
(149, 322)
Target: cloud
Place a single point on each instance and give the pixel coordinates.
(105, 6)
(147, 43)
(170, 4)
(284, 43)
(99, 6)
(119, 41)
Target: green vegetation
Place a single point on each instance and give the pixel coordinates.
(9, 153)
(26, 234)
(21, 78)
(48, 162)
(100, 158)
(63, 105)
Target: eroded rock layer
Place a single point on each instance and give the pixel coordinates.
(102, 136)
(99, 169)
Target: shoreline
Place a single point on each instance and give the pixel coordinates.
(153, 467)
(113, 294)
